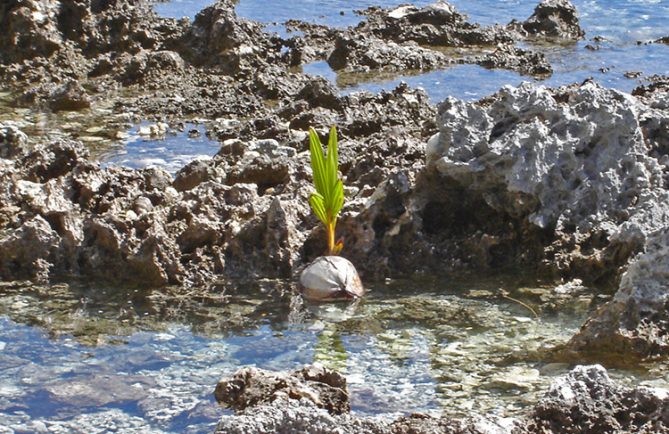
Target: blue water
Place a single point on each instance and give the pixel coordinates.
(621, 22)
(74, 359)
(153, 366)
(172, 151)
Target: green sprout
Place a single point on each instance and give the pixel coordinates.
(328, 199)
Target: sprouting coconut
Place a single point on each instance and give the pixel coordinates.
(329, 277)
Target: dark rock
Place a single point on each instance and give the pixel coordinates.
(517, 59)
(194, 174)
(314, 400)
(70, 96)
(552, 20)
(48, 162)
(250, 387)
(29, 252)
(359, 52)
(218, 37)
(319, 92)
(30, 28)
(636, 321)
(438, 24)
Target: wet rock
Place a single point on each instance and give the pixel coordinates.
(554, 20)
(356, 52)
(250, 387)
(586, 400)
(517, 59)
(636, 321)
(69, 96)
(438, 24)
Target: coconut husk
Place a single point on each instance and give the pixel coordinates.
(331, 278)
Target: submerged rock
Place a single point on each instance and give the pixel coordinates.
(331, 278)
(585, 400)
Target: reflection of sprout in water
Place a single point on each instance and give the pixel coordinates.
(329, 350)
(398, 344)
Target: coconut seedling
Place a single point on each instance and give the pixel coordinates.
(328, 199)
(329, 277)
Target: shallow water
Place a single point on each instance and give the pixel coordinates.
(78, 358)
(170, 150)
(81, 358)
(622, 23)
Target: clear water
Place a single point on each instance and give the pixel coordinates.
(621, 22)
(170, 151)
(84, 358)
(94, 359)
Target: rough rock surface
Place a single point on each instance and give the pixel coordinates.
(574, 168)
(574, 178)
(552, 20)
(438, 24)
(314, 399)
(586, 400)
(359, 52)
(12, 141)
(242, 214)
(636, 321)
(395, 40)
(250, 387)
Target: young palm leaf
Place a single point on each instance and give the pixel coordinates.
(328, 199)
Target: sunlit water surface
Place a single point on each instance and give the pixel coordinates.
(90, 359)
(80, 358)
(622, 23)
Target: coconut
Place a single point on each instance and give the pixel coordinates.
(331, 278)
